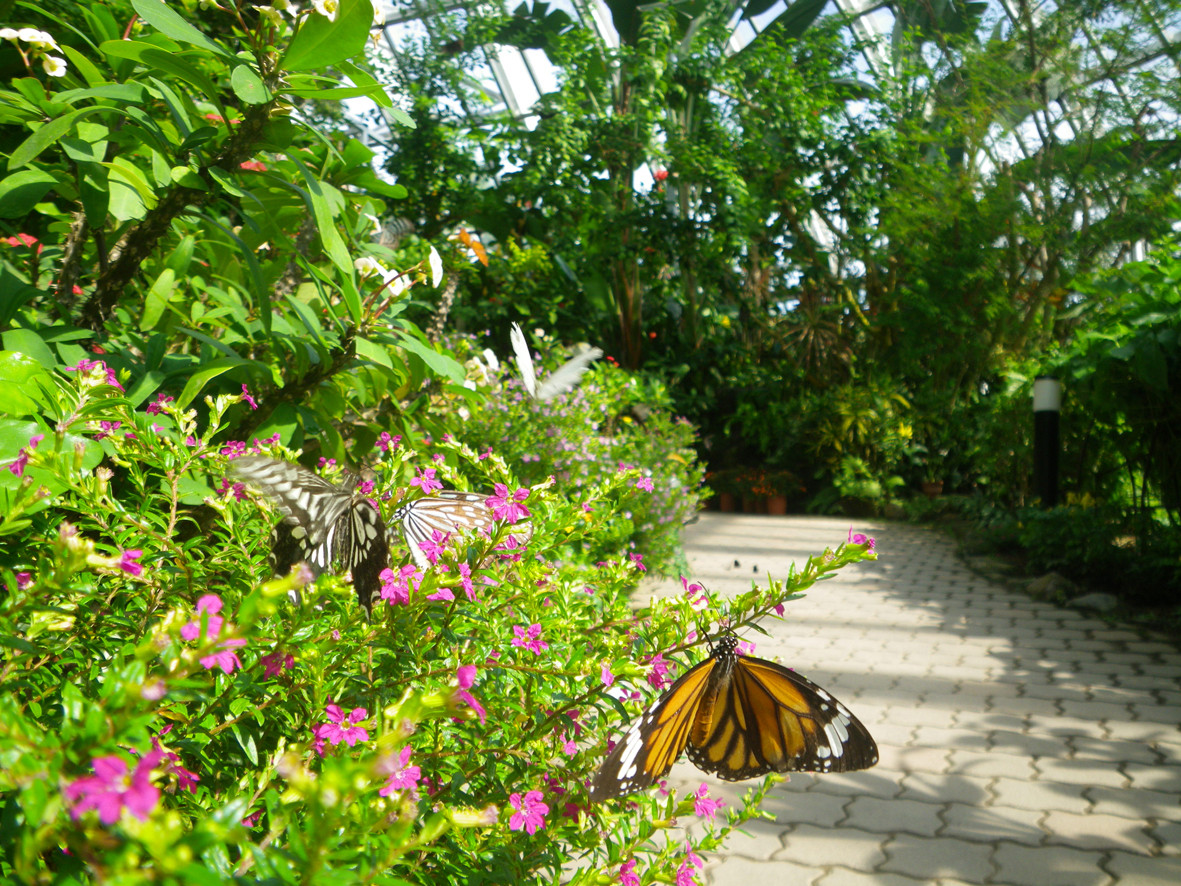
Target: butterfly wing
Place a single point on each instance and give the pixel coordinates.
(770, 719)
(323, 524)
(523, 359)
(652, 743)
(568, 374)
(450, 512)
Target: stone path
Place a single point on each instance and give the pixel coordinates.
(1021, 743)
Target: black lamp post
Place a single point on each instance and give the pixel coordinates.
(1047, 402)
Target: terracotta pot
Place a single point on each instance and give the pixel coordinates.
(777, 504)
(726, 501)
(932, 488)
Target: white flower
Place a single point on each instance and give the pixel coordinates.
(378, 15)
(8, 34)
(493, 361)
(283, 6)
(376, 221)
(54, 66)
(38, 39)
(270, 15)
(436, 267)
(327, 8)
(366, 265)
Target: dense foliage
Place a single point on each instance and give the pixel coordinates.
(192, 271)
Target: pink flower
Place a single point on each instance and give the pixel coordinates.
(530, 812)
(237, 490)
(22, 458)
(157, 405)
(111, 790)
(106, 429)
(705, 807)
(403, 777)
(466, 676)
(465, 578)
(23, 580)
(340, 727)
(186, 780)
(246, 393)
(127, 562)
(658, 676)
(386, 443)
(275, 663)
(21, 240)
(645, 483)
(638, 559)
(395, 586)
(444, 594)
(627, 873)
(223, 656)
(508, 508)
(660, 175)
(685, 873)
(859, 539)
(529, 638)
(605, 675)
(434, 546)
(253, 165)
(426, 481)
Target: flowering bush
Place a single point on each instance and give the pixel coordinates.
(611, 422)
(169, 710)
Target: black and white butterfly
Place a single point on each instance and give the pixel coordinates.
(449, 511)
(564, 378)
(330, 527)
(452, 513)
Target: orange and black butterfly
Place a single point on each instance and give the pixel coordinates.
(740, 717)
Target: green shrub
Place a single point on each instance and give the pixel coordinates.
(612, 421)
(169, 714)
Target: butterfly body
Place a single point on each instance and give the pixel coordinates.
(325, 525)
(738, 717)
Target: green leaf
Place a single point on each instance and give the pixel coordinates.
(155, 57)
(372, 352)
(21, 378)
(205, 374)
(248, 86)
(165, 20)
(21, 191)
(131, 195)
(330, 239)
(27, 342)
(439, 363)
(157, 299)
(361, 77)
(47, 135)
(320, 43)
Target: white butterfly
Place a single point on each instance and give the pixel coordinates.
(564, 378)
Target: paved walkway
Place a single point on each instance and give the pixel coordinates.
(1021, 743)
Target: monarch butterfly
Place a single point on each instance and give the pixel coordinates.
(448, 511)
(562, 379)
(326, 525)
(739, 717)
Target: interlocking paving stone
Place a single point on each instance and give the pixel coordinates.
(738, 871)
(1142, 871)
(990, 824)
(1049, 866)
(846, 877)
(1154, 778)
(990, 764)
(1132, 803)
(824, 847)
(894, 816)
(1040, 796)
(1097, 832)
(1038, 745)
(939, 788)
(1084, 772)
(929, 858)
